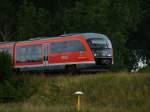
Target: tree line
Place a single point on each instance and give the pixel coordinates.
(125, 22)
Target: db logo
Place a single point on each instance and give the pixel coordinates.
(64, 57)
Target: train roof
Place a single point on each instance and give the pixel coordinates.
(39, 38)
(86, 35)
(94, 35)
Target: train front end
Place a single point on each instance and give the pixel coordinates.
(101, 48)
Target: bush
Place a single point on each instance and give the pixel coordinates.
(6, 67)
(17, 88)
(12, 86)
(145, 69)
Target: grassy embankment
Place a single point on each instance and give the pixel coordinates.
(105, 92)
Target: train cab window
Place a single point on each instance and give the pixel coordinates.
(67, 46)
(98, 43)
(31, 53)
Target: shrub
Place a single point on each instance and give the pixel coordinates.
(12, 86)
(6, 67)
(145, 69)
(17, 88)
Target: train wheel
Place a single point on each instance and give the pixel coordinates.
(71, 68)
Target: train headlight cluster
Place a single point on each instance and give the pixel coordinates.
(105, 53)
(95, 54)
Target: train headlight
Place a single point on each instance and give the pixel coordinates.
(107, 53)
(95, 54)
(104, 53)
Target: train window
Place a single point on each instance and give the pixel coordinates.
(31, 53)
(74, 46)
(57, 47)
(98, 43)
(67, 46)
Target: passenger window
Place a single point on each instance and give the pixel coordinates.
(57, 47)
(74, 46)
(67, 46)
(29, 53)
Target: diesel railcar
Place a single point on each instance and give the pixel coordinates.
(84, 51)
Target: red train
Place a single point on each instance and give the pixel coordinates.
(85, 51)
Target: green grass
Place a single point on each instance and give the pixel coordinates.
(103, 92)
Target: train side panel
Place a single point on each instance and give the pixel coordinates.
(70, 51)
(52, 53)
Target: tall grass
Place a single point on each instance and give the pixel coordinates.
(105, 92)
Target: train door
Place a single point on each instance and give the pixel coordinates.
(45, 50)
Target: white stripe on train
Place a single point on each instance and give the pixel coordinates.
(42, 65)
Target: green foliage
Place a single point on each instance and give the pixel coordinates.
(6, 67)
(32, 21)
(12, 87)
(132, 60)
(7, 18)
(144, 69)
(16, 89)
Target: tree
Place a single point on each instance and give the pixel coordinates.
(138, 40)
(32, 21)
(6, 67)
(7, 18)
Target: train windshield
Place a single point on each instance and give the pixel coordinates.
(98, 43)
